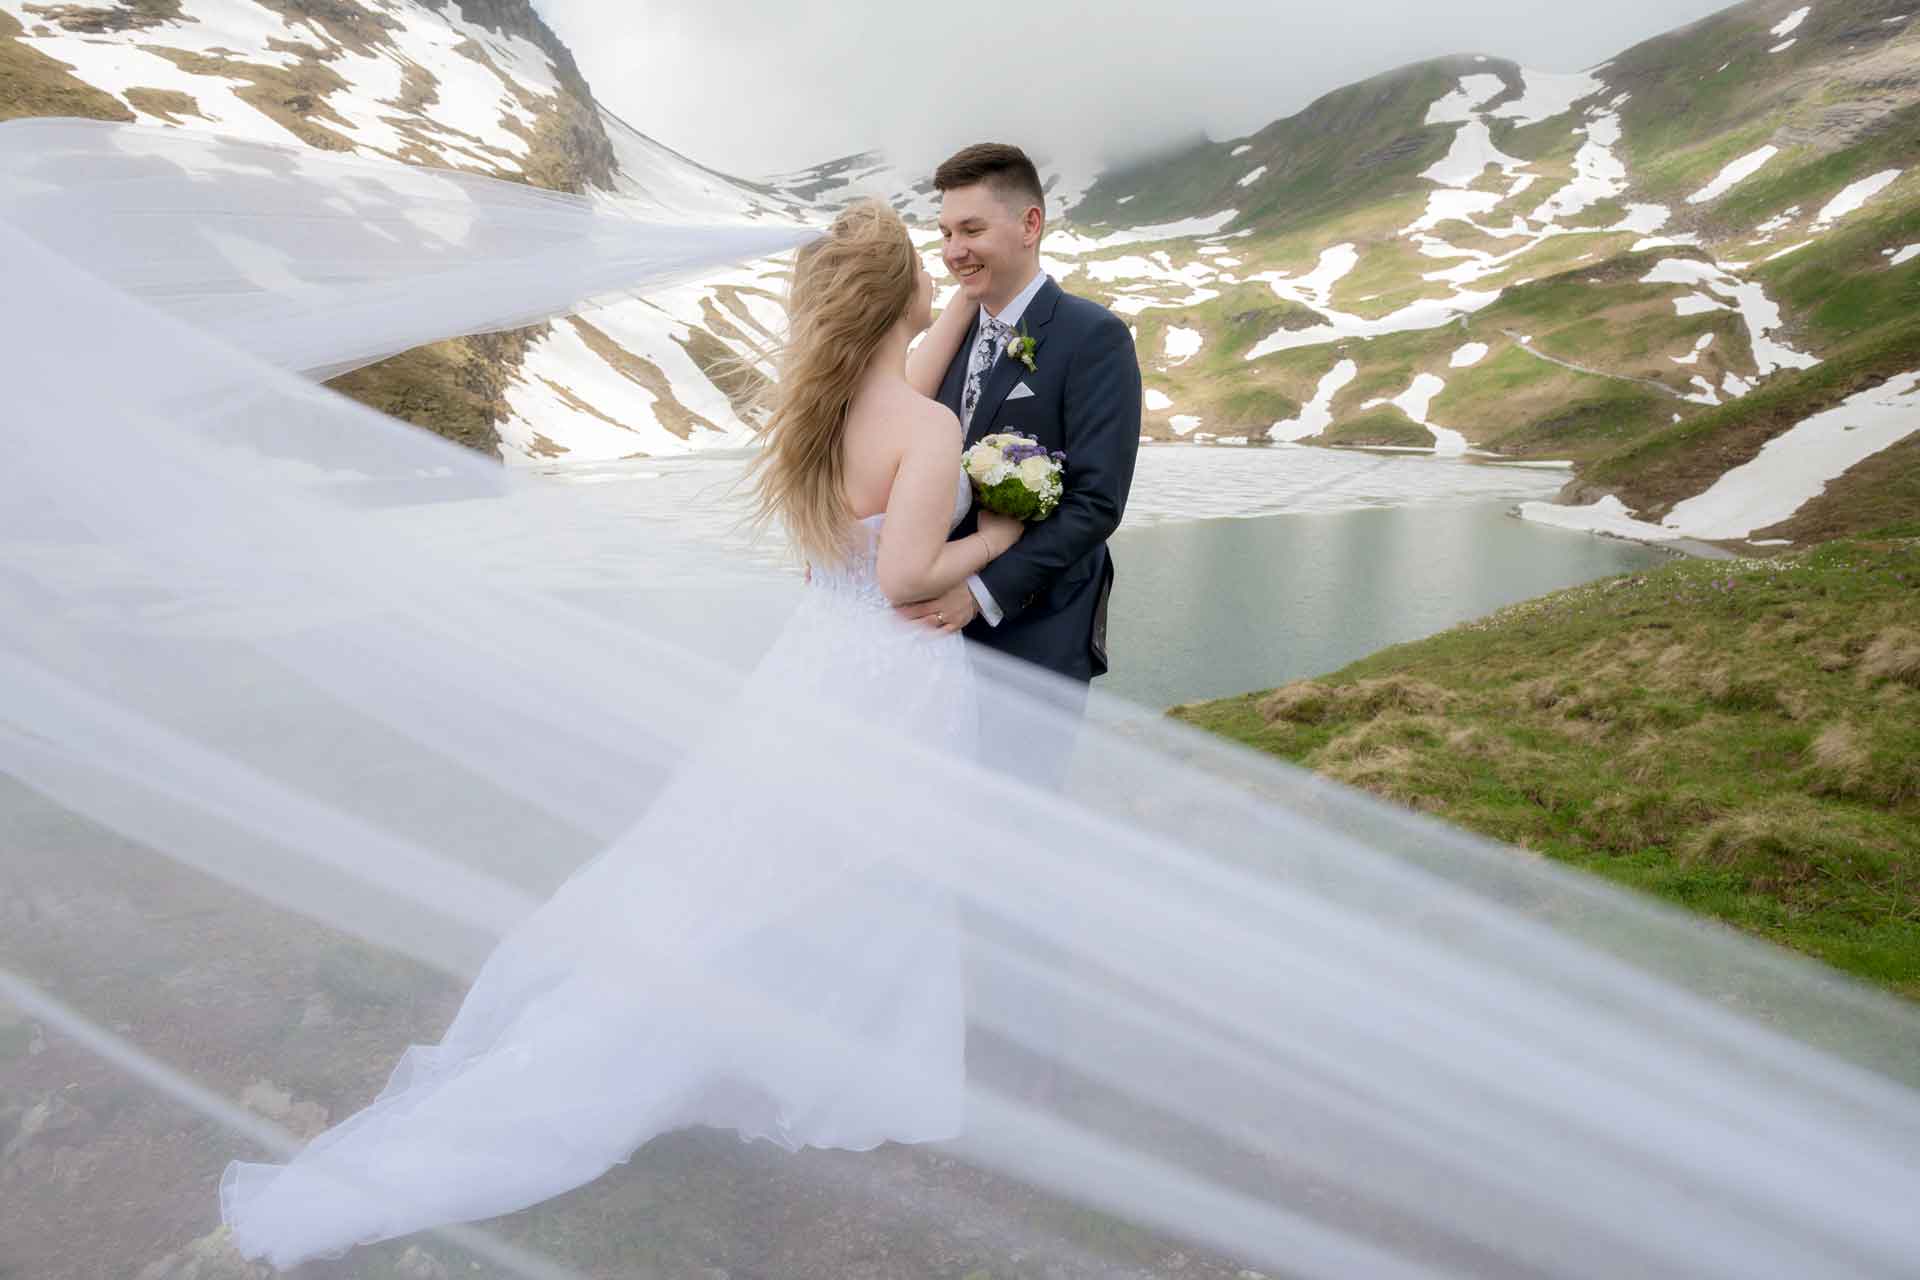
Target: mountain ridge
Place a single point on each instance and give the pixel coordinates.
(1606, 268)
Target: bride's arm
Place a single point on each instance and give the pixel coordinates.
(916, 561)
(927, 362)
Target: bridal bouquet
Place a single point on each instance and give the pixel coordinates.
(1014, 475)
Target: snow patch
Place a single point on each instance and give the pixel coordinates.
(1468, 356)
(1449, 205)
(1697, 304)
(1699, 348)
(1762, 315)
(1417, 401)
(1609, 516)
(1182, 344)
(1791, 23)
(1073, 244)
(1471, 153)
(1774, 225)
(1458, 107)
(1598, 173)
(1317, 414)
(1734, 174)
(1855, 195)
(1147, 278)
(1548, 95)
(1796, 466)
(1253, 177)
(1687, 241)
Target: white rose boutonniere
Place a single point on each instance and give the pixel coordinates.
(1022, 346)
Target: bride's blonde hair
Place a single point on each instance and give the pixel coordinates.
(850, 287)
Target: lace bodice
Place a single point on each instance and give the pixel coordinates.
(857, 581)
(845, 645)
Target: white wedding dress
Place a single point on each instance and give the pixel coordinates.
(595, 1026)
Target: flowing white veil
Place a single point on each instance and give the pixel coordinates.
(274, 711)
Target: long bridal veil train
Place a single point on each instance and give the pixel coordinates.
(295, 699)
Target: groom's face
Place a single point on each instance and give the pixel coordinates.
(985, 234)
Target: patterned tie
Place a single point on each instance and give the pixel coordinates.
(993, 337)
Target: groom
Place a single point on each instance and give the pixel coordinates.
(1044, 601)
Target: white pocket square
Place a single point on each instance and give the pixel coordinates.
(1021, 392)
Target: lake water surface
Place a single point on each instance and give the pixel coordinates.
(1238, 568)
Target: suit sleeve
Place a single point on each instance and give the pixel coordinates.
(1101, 411)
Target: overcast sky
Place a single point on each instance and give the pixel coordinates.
(760, 86)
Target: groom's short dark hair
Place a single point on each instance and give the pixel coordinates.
(1002, 167)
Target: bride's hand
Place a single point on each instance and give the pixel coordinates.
(1001, 532)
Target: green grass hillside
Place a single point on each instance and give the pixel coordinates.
(1596, 352)
(1739, 738)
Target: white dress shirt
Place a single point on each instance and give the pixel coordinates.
(1010, 315)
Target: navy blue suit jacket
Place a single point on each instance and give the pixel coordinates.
(1053, 586)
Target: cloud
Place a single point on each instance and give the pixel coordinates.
(760, 86)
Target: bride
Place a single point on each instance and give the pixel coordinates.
(590, 1029)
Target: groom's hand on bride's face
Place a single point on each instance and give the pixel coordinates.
(949, 612)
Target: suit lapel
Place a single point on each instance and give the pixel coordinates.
(1006, 370)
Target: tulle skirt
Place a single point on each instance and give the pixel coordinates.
(720, 965)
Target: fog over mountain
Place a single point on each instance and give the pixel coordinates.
(763, 86)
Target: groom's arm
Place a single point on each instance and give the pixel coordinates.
(1102, 426)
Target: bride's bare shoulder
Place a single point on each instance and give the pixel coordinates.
(903, 425)
(932, 422)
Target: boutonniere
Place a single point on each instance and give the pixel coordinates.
(1022, 347)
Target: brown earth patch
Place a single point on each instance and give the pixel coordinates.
(168, 104)
(128, 15)
(455, 389)
(344, 22)
(33, 84)
(295, 98)
(671, 414)
(738, 380)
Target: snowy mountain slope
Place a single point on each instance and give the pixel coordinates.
(652, 179)
(1707, 240)
(669, 372)
(481, 85)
